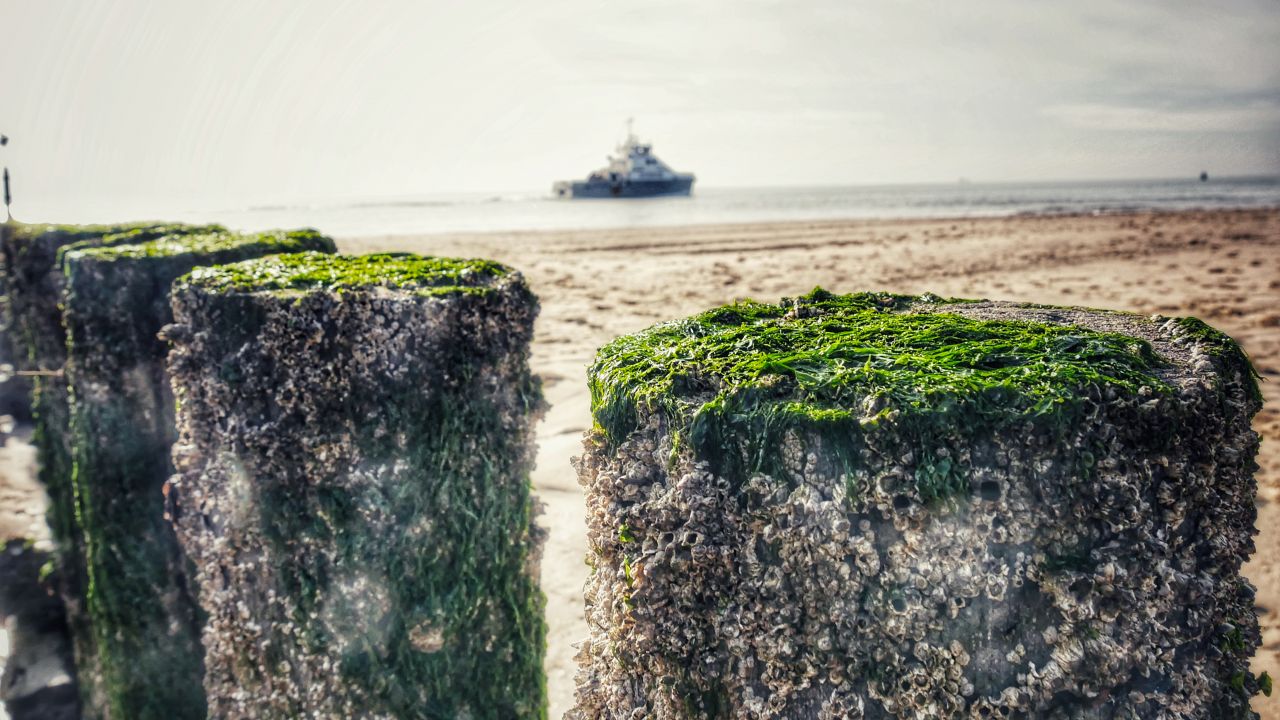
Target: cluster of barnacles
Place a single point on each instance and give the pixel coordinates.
(824, 592)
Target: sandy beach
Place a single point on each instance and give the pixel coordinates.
(1221, 266)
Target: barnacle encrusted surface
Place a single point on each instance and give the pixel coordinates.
(33, 282)
(121, 427)
(875, 506)
(356, 436)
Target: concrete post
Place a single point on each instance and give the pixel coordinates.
(872, 506)
(356, 436)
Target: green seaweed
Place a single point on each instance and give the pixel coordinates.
(299, 272)
(137, 235)
(280, 241)
(625, 534)
(735, 381)
(485, 569)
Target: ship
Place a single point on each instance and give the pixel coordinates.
(633, 172)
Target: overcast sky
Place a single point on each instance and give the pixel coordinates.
(230, 102)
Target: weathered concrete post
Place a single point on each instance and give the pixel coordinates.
(33, 318)
(121, 427)
(873, 506)
(33, 280)
(356, 436)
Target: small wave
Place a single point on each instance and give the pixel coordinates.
(401, 204)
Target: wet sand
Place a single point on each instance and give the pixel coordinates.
(1221, 266)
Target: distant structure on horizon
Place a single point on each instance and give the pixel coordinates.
(633, 172)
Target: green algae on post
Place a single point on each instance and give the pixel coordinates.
(234, 246)
(32, 268)
(33, 317)
(356, 436)
(145, 623)
(839, 364)
(879, 505)
(403, 271)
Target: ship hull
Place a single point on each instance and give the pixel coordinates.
(679, 185)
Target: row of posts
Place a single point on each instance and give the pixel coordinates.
(301, 499)
(289, 483)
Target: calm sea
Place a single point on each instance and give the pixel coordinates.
(540, 211)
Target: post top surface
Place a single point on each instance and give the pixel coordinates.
(28, 230)
(64, 236)
(184, 243)
(299, 272)
(860, 359)
(133, 235)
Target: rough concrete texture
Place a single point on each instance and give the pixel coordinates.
(32, 316)
(356, 437)
(877, 506)
(145, 624)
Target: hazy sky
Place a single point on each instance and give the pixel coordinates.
(227, 102)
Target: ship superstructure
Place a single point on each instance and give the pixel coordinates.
(633, 171)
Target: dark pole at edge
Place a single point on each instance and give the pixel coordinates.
(4, 140)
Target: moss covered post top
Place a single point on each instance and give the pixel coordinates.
(31, 251)
(70, 233)
(33, 256)
(219, 243)
(847, 363)
(134, 235)
(306, 272)
(41, 246)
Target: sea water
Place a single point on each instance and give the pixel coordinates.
(495, 212)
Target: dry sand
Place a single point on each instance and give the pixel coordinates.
(1222, 266)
